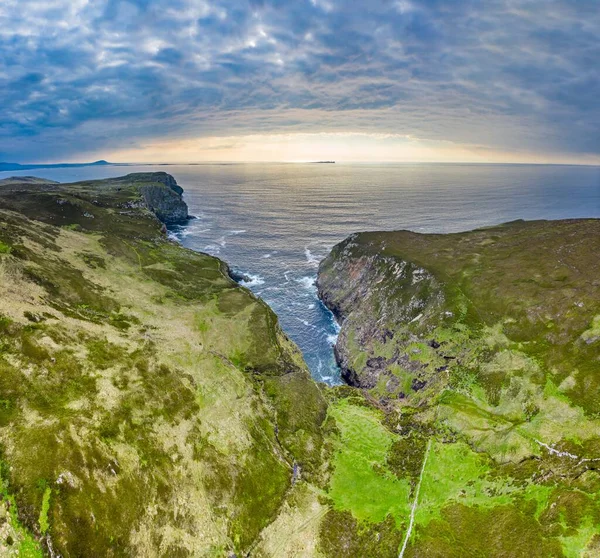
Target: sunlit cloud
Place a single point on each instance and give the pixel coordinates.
(465, 80)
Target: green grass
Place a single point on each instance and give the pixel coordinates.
(361, 482)
(27, 545)
(455, 473)
(575, 545)
(592, 334)
(43, 520)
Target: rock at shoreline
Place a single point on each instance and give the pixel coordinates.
(163, 196)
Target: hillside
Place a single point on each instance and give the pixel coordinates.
(148, 405)
(481, 351)
(30, 166)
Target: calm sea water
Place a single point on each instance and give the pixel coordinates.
(275, 222)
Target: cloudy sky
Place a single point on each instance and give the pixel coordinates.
(194, 80)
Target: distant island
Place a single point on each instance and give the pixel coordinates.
(324, 162)
(19, 167)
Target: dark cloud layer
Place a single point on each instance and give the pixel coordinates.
(81, 76)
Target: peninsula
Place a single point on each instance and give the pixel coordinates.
(479, 352)
(20, 167)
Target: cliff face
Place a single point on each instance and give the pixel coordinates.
(162, 196)
(165, 203)
(392, 290)
(375, 296)
(482, 347)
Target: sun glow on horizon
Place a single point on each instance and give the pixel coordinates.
(336, 146)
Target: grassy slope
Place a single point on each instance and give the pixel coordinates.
(487, 342)
(148, 405)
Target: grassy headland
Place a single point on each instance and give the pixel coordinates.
(484, 347)
(149, 406)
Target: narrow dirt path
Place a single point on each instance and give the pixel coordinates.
(415, 502)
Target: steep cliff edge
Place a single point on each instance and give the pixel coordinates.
(376, 297)
(162, 196)
(484, 347)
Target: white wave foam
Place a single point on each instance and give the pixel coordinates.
(319, 367)
(254, 280)
(311, 258)
(306, 323)
(212, 249)
(332, 338)
(222, 241)
(190, 231)
(308, 282)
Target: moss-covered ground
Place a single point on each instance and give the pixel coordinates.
(362, 482)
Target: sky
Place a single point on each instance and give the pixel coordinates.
(295, 80)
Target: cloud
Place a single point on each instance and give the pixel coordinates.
(84, 77)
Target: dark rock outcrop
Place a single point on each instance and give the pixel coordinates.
(162, 196)
(237, 275)
(167, 180)
(374, 297)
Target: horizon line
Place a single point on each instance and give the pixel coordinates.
(234, 162)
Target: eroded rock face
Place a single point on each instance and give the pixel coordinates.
(163, 198)
(448, 309)
(375, 297)
(168, 180)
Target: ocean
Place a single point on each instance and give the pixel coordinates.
(274, 222)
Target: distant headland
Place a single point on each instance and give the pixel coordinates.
(19, 167)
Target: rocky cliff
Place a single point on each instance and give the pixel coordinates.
(163, 196)
(375, 297)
